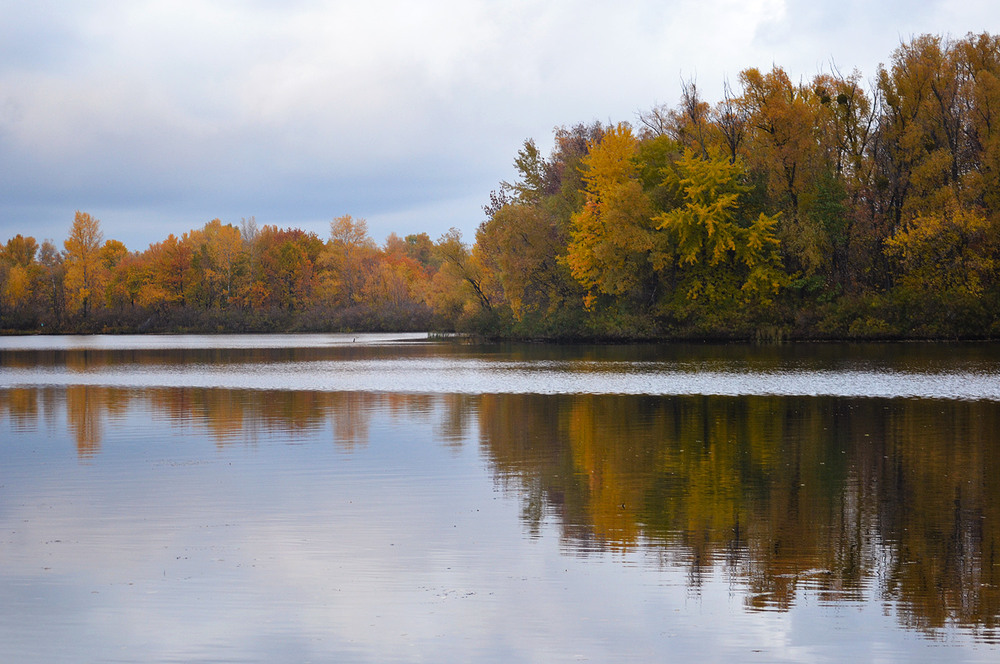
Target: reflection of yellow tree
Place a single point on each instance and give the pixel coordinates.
(21, 405)
(522, 436)
(785, 493)
(245, 415)
(223, 412)
(401, 405)
(608, 454)
(351, 413)
(457, 419)
(117, 402)
(230, 415)
(85, 408)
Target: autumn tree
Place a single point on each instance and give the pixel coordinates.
(708, 246)
(531, 167)
(457, 291)
(420, 248)
(785, 146)
(949, 256)
(84, 271)
(19, 250)
(19, 275)
(167, 273)
(938, 159)
(125, 281)
(563, 174)
(841, 200)
(610, 238)
(51, 278)
(110, 256)
(394, 285)
(689, 124)
(286, 275)
(924, 128)
(218, 261)
(519, 244)
(978, 59)
(348, 259)
(730, 118)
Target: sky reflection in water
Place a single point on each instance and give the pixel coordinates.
(184, 522)
(408, 363)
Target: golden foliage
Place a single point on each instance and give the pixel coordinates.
(610, 238)
(84, 272)
(953, 253)
(705, 236)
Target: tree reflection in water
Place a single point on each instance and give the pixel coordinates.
(785, 494)
(832, 496)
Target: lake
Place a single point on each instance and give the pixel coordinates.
(394, 498)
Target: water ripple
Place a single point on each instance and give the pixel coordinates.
(478, 376)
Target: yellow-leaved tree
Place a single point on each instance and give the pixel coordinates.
(18, 272)
(84, 271)
(718, 254)
(950, 255)
(348, 261)
(611, 237)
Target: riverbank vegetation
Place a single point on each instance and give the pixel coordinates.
(826, 208)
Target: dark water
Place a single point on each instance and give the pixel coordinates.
(330, 498)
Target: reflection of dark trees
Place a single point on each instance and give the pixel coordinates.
(832, 495)
(939, 485)
(521, 436)
(457, 418)
(90, 359)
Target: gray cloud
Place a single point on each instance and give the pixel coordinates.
(157, 117)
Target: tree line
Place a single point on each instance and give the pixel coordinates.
(827, 208)
(819, 208)
(227, 278)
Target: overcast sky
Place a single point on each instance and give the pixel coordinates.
(158, 116)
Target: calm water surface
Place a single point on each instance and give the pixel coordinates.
(374, 498)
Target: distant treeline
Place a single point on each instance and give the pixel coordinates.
(832, 208)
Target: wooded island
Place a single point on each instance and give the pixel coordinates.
(829, 208)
